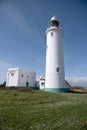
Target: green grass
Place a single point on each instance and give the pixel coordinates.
(42, 110)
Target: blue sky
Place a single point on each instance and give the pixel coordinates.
(23, 41)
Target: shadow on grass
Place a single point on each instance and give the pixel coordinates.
(28, 89)
(21, 89)
(78, 92)
(84, 127)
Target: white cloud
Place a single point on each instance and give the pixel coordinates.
(3, 69)
(4, 64)
(14, 13)
(77, 81)
(16, 16)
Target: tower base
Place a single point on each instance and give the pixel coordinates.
(57, 89)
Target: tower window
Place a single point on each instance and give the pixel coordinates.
(57, 69)
(51, 33)
(12, 74)
(22, 75)
(27, 76)
(42, 84)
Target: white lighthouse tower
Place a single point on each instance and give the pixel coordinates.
(54, 76)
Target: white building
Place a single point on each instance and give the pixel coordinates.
(55, 77)
(42, 83)
(20, 78)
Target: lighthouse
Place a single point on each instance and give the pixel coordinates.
(54, 74)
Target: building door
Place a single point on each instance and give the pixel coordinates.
(27, 84)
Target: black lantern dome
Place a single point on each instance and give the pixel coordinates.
(54, 22)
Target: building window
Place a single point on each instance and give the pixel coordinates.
(32, 77)
(42, 84)
(57, 69)
(21, 75)
(12, 74)
(51, 33)
(27, 76)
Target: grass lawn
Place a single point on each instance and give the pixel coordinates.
(38, 110)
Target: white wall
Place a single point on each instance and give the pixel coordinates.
(19, 77)
(54, 59)
(42, 83)
(26, 76)
(12, 77)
